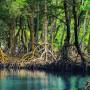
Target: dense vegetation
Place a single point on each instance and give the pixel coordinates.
(45, 29)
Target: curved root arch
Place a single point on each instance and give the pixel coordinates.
(40, 53)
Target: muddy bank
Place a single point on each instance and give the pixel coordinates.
(56, 66)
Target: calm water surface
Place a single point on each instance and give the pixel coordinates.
(28, 80)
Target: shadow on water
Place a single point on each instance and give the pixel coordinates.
(40, 80)
(67, 84)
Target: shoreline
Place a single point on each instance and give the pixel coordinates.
(57, 67)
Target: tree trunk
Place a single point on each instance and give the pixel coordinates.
(76, 30)
(45, 29)
(12, 38)
(64, 51)
(67, 18)
(31, 28)
(89, 44)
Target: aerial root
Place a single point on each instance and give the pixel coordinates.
(39, 53)
(3, 56)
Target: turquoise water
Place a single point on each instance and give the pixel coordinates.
(28, 80)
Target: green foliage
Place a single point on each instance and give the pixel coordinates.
(86, 5)
(17, 6)
(11, 10)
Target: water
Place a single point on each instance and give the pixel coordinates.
(28, 80)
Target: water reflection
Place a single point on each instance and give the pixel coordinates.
(29, 80)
